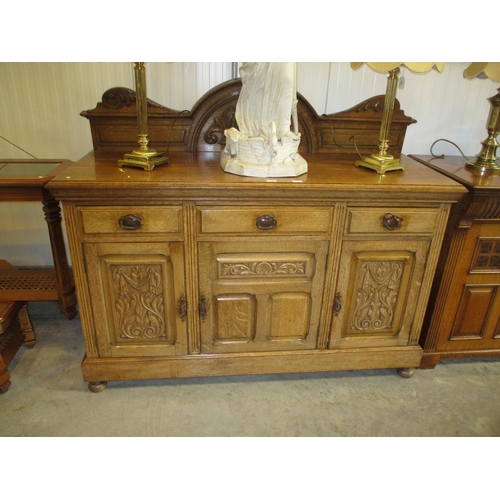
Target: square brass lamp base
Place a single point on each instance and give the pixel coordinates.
(483, 165)
(380, 164)
(147, 162)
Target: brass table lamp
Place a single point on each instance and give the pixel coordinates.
(383, 162)
(143, 157)
(486, 159)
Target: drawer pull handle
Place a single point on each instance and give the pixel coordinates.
(266, 222)
(130, 221)
(182, 308)
(392, 222)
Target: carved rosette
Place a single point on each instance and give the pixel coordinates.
(262, 268)
(377, 295)
(139, 301)
(487, 255)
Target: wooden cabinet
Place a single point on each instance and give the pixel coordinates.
(463, 317)
(189, 271)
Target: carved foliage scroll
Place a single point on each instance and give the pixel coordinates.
(139, 301)
(221, 122)
(262, 268)
(377, 294)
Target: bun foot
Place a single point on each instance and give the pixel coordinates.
(406, 372)
(30, 344)
(97, 386)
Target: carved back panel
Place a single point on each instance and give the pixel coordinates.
(113, 123)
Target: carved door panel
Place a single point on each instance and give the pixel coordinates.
(377, 292)
(261, 296)
(135, 289)
(472, 310)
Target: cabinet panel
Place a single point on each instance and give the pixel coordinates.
(261, 296)
(377, 292)
(289, 315)
(473, 311)
(235, 318)
(134, 292)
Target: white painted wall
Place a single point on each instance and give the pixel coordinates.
(40, 105)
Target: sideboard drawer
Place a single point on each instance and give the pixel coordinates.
(266, 220)
(139, 219)
(391, 220)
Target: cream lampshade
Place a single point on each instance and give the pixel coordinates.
(383, 162)
(486, 159)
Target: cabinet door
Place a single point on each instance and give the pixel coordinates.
(135, 289)
(377, 292)
(471, 318)
(261, 296)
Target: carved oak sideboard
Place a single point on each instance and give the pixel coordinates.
(188, 271)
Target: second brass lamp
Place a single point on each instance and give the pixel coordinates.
(486, 159)
(382, 161)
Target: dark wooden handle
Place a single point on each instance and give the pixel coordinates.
(203, 307)
(392, 222)
(337, 305)
(130, 221)
(266, 222)
(182, 308)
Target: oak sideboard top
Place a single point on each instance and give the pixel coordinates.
(98, 177)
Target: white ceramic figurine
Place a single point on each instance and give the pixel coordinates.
(265, 145)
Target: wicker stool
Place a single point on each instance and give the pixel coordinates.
(15, 329)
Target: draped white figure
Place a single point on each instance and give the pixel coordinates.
(265, 145)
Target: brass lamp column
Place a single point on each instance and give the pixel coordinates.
(383, 162)
(143, 157)
(486, 159)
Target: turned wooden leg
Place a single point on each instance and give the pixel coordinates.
(97, 386)
(27, 327)
(65, 286)
(406, 372)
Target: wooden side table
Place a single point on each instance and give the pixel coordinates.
(15, 328)
(25, 180)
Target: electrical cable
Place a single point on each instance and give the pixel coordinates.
(172, 126)
(443, 155)
(348, 141)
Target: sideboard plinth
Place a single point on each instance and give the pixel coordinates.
(95, 369)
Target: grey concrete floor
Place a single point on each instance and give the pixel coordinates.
(49, 398)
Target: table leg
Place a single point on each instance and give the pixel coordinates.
(65, 285)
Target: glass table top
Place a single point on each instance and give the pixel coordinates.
(18, 169)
